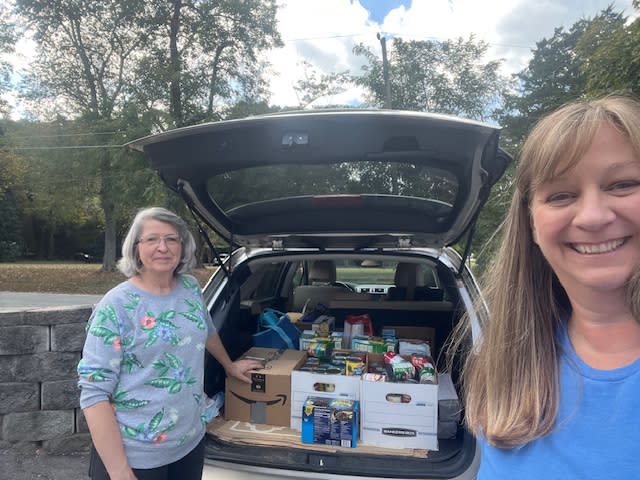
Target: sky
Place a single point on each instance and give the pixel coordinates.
(324, 32)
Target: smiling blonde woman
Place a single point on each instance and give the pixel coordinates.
(552, 389)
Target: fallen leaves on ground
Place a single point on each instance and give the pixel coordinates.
(56, 277)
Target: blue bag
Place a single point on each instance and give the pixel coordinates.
(277, 331)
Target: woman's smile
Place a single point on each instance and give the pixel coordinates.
(598, 248)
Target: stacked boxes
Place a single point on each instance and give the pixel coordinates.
(331, 407)
(449, 407)
(306, 384)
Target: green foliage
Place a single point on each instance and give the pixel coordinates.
(315, 85)
(8, 37)
(444, 77)
(208, 54)
(556, 74)
(612, 57)
(593, 57)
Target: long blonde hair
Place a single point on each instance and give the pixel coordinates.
(510, 381)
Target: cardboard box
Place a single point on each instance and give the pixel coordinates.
(415, 333)
(399, 415)
(449, 406)
(330, 421)
(323, 324)
(268, 398)
(310, 384)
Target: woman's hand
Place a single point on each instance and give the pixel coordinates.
(126, 473)
(239, 369)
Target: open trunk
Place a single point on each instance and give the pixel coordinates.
(236, 306)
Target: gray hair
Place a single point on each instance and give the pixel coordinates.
(130, 263)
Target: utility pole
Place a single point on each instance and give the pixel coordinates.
(385, 72)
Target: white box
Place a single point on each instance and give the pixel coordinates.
(399, 415)
(309, 384)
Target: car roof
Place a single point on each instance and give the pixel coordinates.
(333, 178)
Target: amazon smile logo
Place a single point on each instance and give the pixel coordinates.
(282, 399)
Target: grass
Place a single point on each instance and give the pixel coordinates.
(57, 277)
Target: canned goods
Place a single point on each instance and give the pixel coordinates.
(339, 358)
(355, 365)
(400, 371)
(375, 377)
(320, 349)
(427, 374)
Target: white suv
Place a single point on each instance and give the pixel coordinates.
(381, 197)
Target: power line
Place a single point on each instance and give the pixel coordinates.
(67, 135)
(400, 35)
(75, 147)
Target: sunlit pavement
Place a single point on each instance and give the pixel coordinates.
(28, 300)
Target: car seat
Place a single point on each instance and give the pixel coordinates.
(319, 290)
(410, 285)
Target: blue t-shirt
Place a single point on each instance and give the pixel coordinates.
(144, 353)
(596, 434)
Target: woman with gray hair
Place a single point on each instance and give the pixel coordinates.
(142, 370)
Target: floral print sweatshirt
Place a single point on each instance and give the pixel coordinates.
(145, 354)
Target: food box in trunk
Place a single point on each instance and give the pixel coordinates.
(267, 399)
(412, 339)
(309, 383)
(398, 415)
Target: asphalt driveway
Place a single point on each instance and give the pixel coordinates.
(21, 300)
(27, 463)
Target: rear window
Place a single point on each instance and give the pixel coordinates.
(242, 187)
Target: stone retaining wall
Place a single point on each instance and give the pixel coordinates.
(39, 397)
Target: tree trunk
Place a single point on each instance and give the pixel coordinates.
(108, 207)
(51, 240)
(175, 73)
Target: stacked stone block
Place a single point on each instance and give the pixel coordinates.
(39, 397)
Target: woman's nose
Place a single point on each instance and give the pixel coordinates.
(594, 211)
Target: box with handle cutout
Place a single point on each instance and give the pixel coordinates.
(310, 384)
(399, 415)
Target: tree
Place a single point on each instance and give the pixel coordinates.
(12, 170)
(86, 59)
(7, 44)
(315, 85)
(205, 51)
(56, 191)
(556, 74)
(171, 59)
(612, 56)
(444, 77)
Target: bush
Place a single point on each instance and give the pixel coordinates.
(9, 251)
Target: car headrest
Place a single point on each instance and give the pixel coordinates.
(322, 271)
(408, 275)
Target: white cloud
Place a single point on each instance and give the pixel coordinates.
(323, 32)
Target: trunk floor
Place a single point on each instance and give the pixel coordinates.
(271, 435)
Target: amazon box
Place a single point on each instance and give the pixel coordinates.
(267, 399)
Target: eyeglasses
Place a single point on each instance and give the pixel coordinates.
(155, 240)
